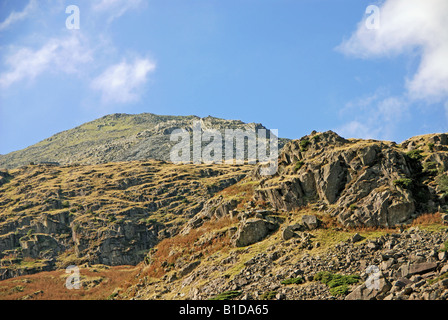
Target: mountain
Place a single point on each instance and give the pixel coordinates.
(337, 213)
(118, 137)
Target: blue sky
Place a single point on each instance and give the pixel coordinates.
(293, 65)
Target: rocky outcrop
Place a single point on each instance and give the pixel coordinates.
(362, 182)
(251, 231)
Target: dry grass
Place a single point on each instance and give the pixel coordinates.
(428, 219)
(206, 240)
(243, 192)
(51, 285)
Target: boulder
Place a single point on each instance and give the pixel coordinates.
(287, 233)
(310, 222)
(188, 268)
(356, 238)
(251, 231)
(423, 267)
(370, 291)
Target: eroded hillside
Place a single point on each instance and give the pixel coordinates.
(337, 212)
(335, 208)
(111, 214)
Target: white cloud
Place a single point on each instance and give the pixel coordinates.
(407, 25)
(17, 16)
(123, 82)
(116, 8)
(56, 55)
(357, 129)
(376, 117)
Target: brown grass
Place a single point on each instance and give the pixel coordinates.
(51, 285)
(428, 219)
(243, 192)
(171, 249)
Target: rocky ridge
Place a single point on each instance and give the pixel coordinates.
(119, 138)
(361, 182)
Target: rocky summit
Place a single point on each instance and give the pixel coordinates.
(119, 137)
(340, 219)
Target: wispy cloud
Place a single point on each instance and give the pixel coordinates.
(60, 55)
(377, 116)
(123, 82)
(115, 8)
(18, 16)
(407, 25)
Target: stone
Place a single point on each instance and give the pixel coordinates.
(444, 217)
(407, 290)
(428, 275)
(385, 265)
(402, 282)
(372, 246)
(422, 267)
(416, 278)
(363, 292)
(419, 284)
(251, 231)
(356, 238)
(172, 278)
(190, 267)
(310, 222)
(444, 283)
(444, 269)
(287, 233)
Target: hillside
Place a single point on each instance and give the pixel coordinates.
(335, 208)
(117, 137)
(111, 214)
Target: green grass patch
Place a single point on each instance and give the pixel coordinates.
(298, 280)
(403, 183)
(337, 283)
(299, 164)
(304, 145)
(339, 290)
(415, 154)
(227, 295)
(269, 295)
(441, 277)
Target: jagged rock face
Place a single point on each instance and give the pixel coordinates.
(358, 180)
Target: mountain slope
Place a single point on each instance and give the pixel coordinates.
(117, 137)
(334, 207)
(112, 214)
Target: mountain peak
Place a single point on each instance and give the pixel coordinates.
(117, 137)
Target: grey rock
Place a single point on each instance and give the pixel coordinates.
(287, 233)
(444, 283)
(356, 238)
(423, 267)
(251, 231)
(402, 282)
(310, 222)
(190, 267)
(371, 292)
